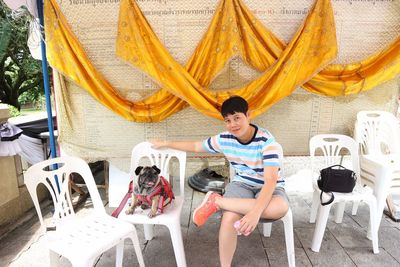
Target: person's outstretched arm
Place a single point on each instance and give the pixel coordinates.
(188, 146)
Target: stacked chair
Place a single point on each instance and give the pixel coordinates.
(378, 135)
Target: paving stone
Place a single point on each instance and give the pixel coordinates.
(360, 258)
(301, 258)
(208, 233)
(389, 240)
(250, 251)
(330, 254)
(19, 241)
(344, 244)
(277, 238)
(202, 254)
(350, 236)
(275, 247)
(159, 251)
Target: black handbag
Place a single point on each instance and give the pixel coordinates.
(336, 178)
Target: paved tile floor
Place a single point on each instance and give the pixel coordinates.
(344, 244)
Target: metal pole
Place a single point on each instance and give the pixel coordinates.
(46, 83)
(45, 72)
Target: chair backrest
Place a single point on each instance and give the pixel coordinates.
(377, 132)
(161, 158)
(47, 171)
(332, 146)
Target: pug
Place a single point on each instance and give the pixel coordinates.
(150, 190)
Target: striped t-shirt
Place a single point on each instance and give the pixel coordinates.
(248, 159)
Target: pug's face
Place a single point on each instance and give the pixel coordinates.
(147, 178)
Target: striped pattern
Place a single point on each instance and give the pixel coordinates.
(248, 160)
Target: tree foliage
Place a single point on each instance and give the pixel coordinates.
(19, 72)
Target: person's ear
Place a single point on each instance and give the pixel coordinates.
(248, 114)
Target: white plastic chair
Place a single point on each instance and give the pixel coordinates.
(332, 146)
(287, 225)
(79, 239)
(171, 215)
(378, 135)
(289, 239)
(377, 132)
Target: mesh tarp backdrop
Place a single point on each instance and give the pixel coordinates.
(91, 131)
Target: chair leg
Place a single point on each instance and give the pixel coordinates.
(267, 227)
(356, 203)
(373, 225)
(289, 239)
(119, 253)
(54, 258)
(320, 226)
(136, 245)
(177, 242)
(314, 206)
(148, 231)
(339, 211)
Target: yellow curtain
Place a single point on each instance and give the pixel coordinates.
(336, 79)
(233, 30)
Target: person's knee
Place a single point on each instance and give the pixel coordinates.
(277, 208)
(284, 206)
(228, 219)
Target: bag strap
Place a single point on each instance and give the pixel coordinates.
(329, 201)
(166, 194)
(118, 210)
(332, 195)
(337, 165)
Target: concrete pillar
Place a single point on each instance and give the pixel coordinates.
(8, 177)
(15, 200)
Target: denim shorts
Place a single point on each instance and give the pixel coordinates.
(237, 189)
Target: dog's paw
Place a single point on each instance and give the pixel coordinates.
(152, 214)
(129, 211)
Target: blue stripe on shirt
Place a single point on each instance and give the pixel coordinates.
(227, 136)
(252, 179)
(271, 164)
(271, 156)
(211, 147)
(236, 153)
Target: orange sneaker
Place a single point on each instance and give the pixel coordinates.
(206, 208)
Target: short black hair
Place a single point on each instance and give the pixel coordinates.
(234, 104)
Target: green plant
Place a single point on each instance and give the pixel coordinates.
(21, 79)
(14, 112)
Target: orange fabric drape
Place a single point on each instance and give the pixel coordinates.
(233, 30)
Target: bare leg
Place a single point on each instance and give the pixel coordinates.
(276, 208)
(227, 238)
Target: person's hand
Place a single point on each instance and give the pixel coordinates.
(248, 223)
(158, 143)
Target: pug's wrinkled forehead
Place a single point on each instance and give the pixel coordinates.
(140, 170)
